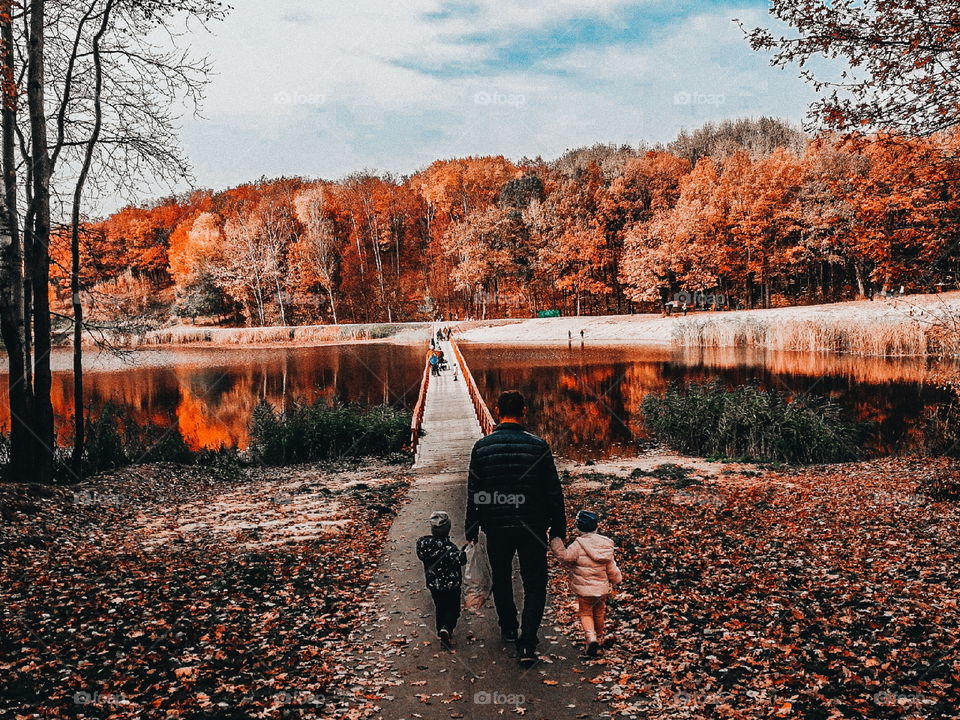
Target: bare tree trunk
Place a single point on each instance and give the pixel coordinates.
(283, 315)
(76, 460)
(333, 306)
(12, 318)
(40, 255)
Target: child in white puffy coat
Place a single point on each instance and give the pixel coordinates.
(593, 574)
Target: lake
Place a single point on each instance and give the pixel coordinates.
(583, 399)
(210, 394)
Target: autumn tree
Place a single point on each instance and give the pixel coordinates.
(195, 256)
(571, 248)
(648, 183)
(681, 246)
(317, 250)
(759, 137)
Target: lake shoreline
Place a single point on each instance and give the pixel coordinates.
(907, 326)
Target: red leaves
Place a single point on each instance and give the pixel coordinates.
(807, 595)
(98, 621)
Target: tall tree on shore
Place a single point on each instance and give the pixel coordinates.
(317, 249)
(14, 318)
(98, 100)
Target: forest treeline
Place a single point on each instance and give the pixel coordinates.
(752, 209)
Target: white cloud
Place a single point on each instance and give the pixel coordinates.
(324, 90)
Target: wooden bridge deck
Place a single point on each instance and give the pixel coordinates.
(450, 426)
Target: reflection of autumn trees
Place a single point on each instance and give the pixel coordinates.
(586, 402)
(212, 405)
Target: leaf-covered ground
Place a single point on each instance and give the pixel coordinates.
(824, 593)
(165, 591)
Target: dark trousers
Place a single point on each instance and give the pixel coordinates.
(531, 548)
(447, 605)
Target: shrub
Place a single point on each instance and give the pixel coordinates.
(304, 433)
(113, 441)
(155, 443)
(766, 426)
(225, 461)
(103, 448)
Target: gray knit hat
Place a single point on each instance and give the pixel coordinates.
(440, 523)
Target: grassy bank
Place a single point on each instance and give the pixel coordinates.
(887, 337)
(913, 325)
(303, 335)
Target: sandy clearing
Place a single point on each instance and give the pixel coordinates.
(274, 510)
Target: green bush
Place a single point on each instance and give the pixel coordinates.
(155, 443)
(225, 461)
(304, 433)
(104, 447)
(113, 441)
(710, 420)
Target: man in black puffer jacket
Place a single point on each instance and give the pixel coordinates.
(514, 496)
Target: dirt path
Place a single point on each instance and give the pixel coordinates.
(480, 676)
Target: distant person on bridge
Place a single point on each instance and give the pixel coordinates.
(514, 496)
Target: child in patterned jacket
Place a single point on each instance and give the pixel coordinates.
(443, 565)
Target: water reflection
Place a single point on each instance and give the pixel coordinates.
(586, 400)
(210, 394)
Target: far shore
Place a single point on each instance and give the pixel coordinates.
(910, 325)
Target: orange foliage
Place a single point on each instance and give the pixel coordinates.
(597, 233)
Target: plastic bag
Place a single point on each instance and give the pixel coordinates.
(477, 578)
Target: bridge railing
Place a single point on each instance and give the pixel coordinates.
(417, 421)
(487, 423)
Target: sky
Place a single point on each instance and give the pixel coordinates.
(325, 88)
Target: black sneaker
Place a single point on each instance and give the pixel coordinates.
(509, 636)
(593, 648)
(526, 655)
(445, 637)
